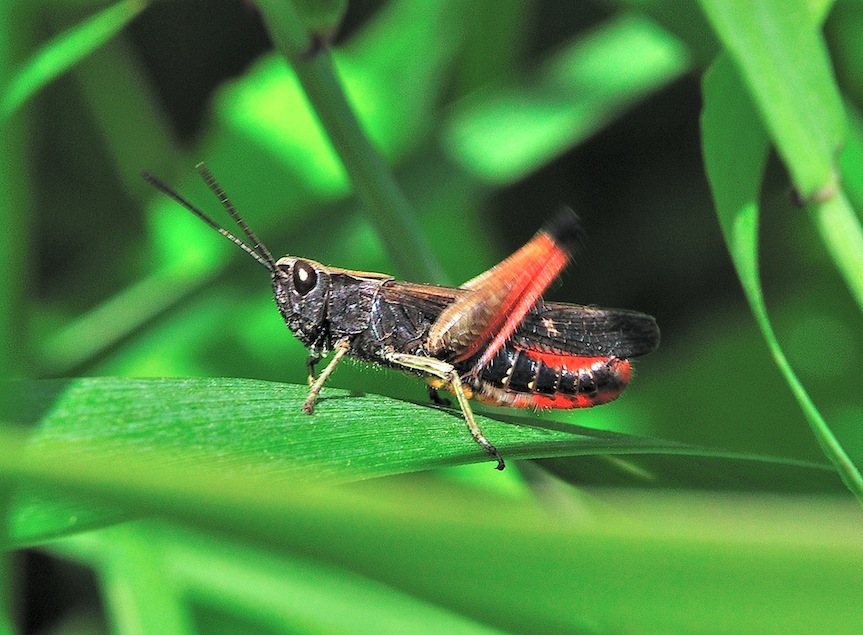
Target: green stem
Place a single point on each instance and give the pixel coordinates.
(841, 233)
(830, 445)
(373, 182)
(742, 239)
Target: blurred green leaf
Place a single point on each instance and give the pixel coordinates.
(257, 428)
(65, 50)
(285, 592)
(140, 597)
(840, 229)
(502, 134)
(780, 53)
(735, 153)
(322, 17)
(635, 563)
(268, 107)
(372, 180)
(663, 562)
(16, 202)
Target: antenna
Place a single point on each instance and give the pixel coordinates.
(258, 250)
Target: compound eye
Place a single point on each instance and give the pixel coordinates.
(305, 277)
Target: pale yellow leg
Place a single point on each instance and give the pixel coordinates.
(446, 372)
(341, 350)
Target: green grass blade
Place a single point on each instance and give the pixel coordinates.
(735, 152)
(510, 563)
(852, 158)
(233, 428)
(502, 134)
(138, 595)
(130, 116)
(284, 591)
(373, 182)
(781, 55)
(840, 230)
(65, 50)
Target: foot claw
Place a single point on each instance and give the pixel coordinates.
(500, 464)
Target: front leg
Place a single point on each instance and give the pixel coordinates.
(341, 349)
(311, 362)
(447, 372)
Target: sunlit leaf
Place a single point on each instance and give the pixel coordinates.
(782, 57)
(735, 152)
(253, 428)
(502, 134)
(65, 50)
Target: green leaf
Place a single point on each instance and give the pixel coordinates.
(502, 134)
(65, 50)
(780, 53)
(434, 559)
(778, 48)
(370, 176)
(322, 17)
(237, 427)
(840, 230)
(735, 152)
(129, 567)
(288, 592)
(640, 562)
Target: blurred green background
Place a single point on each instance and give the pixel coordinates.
(492, 115)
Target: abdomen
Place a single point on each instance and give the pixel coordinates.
(525, 378)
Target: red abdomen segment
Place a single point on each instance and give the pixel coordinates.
(524, 378)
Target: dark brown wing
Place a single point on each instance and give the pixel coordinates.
(584, 330)
(402, 315)
(430, 299)
(551, 326)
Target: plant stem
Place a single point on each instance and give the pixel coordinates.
(373, 182)
(841, 233)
